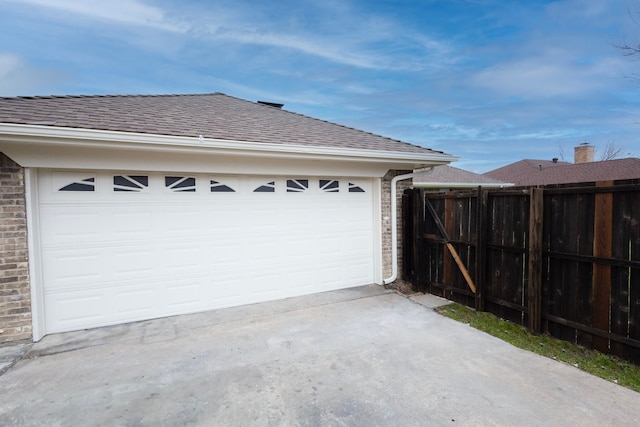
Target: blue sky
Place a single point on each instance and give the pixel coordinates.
(490, 81)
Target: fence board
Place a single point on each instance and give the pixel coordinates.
(585, 204)
(634, 318)
(603, 228)
(535, 263)
(481, 237)
(504, 256)
(620, 276)
(561, 277)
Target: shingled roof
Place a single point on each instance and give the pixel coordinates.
(544, 172)
(446, 176)
(215, 116)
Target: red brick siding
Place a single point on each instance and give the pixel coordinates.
(386, 223)
(15, 295)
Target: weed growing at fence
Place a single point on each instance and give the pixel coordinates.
(604, 366)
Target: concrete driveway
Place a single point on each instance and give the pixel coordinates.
(358, 357)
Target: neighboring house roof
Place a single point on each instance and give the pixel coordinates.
(450, 177)
(215, 116)
(544, 172)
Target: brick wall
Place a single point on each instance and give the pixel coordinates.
(15, 296)
(386, 220)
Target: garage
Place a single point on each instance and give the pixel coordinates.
(124, 246)
(121, 208)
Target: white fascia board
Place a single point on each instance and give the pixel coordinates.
(51, 137)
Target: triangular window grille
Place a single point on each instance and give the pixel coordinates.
(269, 187)
(180, 184)
(297, 185)
(131, 183)
(88, 184)
(354, 188)
(218, 187)
(329, 185)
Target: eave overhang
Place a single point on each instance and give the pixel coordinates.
(73, 148)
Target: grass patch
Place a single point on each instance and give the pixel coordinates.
(604, 366)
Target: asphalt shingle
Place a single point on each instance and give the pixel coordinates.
(451, 175)
(542, 172)
(215, 115)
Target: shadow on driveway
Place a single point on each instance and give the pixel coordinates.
(357, 357)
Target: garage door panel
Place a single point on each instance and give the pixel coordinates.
(71, 310)
(356, 243)
(184, 295)
(358, 270)
(133, 261)
(69, 267)
(331, 274)
(219, 290)
(69, 224)
(131, 222)
(111, 257)
(181, 258)
(135, 301)
(181, 221)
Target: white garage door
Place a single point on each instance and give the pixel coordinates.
(119, 247)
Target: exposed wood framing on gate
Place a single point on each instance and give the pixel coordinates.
(461, 266)
(450, 247)
(448, 262)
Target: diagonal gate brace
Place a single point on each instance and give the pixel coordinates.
(452, 249)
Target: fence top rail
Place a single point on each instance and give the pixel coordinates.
(605, 189)
(525, 191)
(465, 194)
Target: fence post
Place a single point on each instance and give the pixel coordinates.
(602, 247)
(481, 215)
(536, 208)
(418, 251)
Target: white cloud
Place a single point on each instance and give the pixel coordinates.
(131, 12)
(326, 49)
(548, 75)
(20, 78)
(331, 31)
(338, 33)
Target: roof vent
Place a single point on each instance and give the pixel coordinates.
(554, 160)
(271, 104)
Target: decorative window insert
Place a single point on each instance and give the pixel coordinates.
(218, 187)
(87, 184)
(355, 189)
(131, 183)
(297, 185)
(180, 184)
(329, 185)
(269, 187)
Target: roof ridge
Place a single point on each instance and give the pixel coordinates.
(141, 95)
(597, 162)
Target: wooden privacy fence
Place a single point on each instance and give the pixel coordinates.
(563, 260)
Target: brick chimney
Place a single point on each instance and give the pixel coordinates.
(583, 153)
